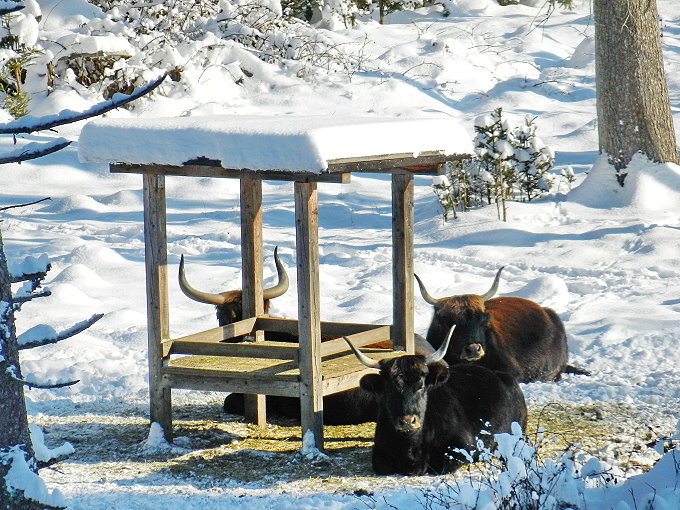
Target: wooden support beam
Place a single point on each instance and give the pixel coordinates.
(158, 322)
(251, 274)
(402, 262)
(309, 327)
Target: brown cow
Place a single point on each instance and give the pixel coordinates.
(507, 334)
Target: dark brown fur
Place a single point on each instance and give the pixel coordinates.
(517, 336)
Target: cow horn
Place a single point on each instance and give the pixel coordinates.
(423, 291)
(365, 360)
(490, 293)
(196, 295)
(280, 288)
(439, 354)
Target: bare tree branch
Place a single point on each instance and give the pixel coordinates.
(12, 372)
(42, 464)
(23, 205)
(68, 333)
(34, 150)
(29, 124)
(43, 386)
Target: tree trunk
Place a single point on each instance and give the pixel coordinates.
(13, 419)
(633, 109)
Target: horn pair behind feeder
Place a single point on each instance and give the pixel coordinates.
(343, 408)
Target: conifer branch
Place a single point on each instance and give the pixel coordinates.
(68, 333)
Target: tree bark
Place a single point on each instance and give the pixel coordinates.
(13, 418)
(633, 109)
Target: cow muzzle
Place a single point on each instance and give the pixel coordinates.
(408, 423)
(472, 352)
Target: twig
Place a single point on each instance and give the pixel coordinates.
(24, 205)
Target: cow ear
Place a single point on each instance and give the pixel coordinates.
(371, 383)
(438, 374)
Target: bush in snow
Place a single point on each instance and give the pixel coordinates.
(510, 163)
(18, 51)
(532, 160)
(515, 477)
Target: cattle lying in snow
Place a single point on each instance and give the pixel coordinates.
(432, 415)
(347, 407)
(507, 334)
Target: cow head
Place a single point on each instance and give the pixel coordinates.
(403, 384)
(229, 304)
(468, 313)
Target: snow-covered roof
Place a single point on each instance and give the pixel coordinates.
(257, 142)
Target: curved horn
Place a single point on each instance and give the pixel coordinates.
(196, 295)
(439, 354)
(494, 287)
(423, 291)
(363, 359)
(281, 287)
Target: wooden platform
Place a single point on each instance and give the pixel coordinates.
(211, 361)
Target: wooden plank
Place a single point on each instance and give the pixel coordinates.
(251, 276)
(227, 384)
(193, 170)
(360, 339)
(158, 322)
(338, 329)
(402, 262)
(241, 368)
(427, 163)
(240, 328)
(309, 327)
(328, 329)
(264, 349)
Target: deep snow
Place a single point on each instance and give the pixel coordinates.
(605, 258)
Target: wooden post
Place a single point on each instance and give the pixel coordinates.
(158, 322)
(402, 261)
(251, 274)
(309, 325)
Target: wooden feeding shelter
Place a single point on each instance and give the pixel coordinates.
(305, 150)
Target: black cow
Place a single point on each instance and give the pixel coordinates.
(229, 304)
(507, 334)
(432, 415)
(348, 407)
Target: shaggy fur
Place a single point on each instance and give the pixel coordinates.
(430, 412)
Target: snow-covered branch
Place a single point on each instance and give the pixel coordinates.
(18, 300)
(31, 269)
(34, 150)
(45, 335)
(12, 372)
(30, 124)
(29, 277)
(9, 6)
(43, 454)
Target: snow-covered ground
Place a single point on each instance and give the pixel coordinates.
(606, 259)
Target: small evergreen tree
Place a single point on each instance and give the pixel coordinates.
(495, 154)
(510, 163)
(18, 36)
(532, 160)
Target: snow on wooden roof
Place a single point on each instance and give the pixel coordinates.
(258, 142)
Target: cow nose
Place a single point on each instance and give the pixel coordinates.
(410, 422)
(472, 352)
